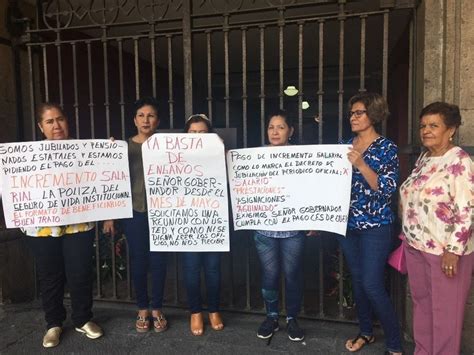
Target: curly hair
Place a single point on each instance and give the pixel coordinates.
(449, 113)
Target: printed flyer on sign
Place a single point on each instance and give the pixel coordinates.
(290, 188)
(60, 182)
(186, 187)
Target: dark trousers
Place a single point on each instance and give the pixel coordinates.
(143, 260)
(66, 259)
(192, 264)
(286, 254)
(366, 253)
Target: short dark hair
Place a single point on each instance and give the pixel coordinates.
(449, 113)
(42, 107)
(200, 117)
(282, 113)
(145, 101)
(375, 104)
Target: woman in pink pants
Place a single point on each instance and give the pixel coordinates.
(437, 205)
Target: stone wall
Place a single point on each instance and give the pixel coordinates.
(445, 71)
(7, 86)
(16, 265)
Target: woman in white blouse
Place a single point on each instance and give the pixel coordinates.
(437, 202)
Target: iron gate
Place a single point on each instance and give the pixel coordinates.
(233, 60)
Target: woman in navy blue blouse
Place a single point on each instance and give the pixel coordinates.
(368, 241)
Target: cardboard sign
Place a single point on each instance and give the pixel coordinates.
(186, 189)
(61, 182)
(290, 188)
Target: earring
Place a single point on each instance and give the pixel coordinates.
(451, 138)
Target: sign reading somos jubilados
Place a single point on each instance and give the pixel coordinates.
(186, 189)
(286, 188)
(61, 182)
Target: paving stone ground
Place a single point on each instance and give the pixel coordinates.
(22, 329)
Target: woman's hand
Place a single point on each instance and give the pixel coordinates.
(313, 234)
(109, 227)
(449, 263)
(355, 158)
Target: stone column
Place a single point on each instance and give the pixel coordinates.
(444, 60)
(444, 68)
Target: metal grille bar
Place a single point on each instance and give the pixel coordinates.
(209, 74)
(262, 85)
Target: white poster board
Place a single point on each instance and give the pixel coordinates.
(61, 182)
(186, 188)
(289, 188)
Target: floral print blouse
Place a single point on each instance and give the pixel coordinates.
(58, 231)
(437, 202)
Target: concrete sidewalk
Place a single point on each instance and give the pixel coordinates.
(22, 330)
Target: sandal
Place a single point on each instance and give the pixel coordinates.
(160, 324)
(142, 324)
(354, 345)
(197, 324)
(216, 321)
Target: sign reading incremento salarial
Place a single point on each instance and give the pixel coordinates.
(290, 188)
(61, 182)
(186, 189)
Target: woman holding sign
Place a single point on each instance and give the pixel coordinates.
(280, 250)
(136, 229)
(209, 261)
(369, 236)
(63, 254)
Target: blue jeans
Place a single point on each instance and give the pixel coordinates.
(366, 253)
(143, 260)
(286, 254)
(192, 263)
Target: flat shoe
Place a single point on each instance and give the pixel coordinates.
(354, 345)
(197, 324)
(91, 330)
(216, 321)
(51, 338)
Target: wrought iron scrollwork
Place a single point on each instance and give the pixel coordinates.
(61, 14)
(153, 10)
(226, 6)
(58, 14)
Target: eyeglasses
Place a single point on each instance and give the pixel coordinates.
(200, 115)
(357, 113)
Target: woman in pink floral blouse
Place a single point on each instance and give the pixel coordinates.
(437, 204)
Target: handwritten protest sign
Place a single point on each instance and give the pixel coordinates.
(60, 182)
(290, 188)
(186, 188)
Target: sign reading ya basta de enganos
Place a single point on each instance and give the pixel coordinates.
(62, 182)
(186, 188)
(286, 188)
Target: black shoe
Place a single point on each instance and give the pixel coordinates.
(295, 333)
(268, 327)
